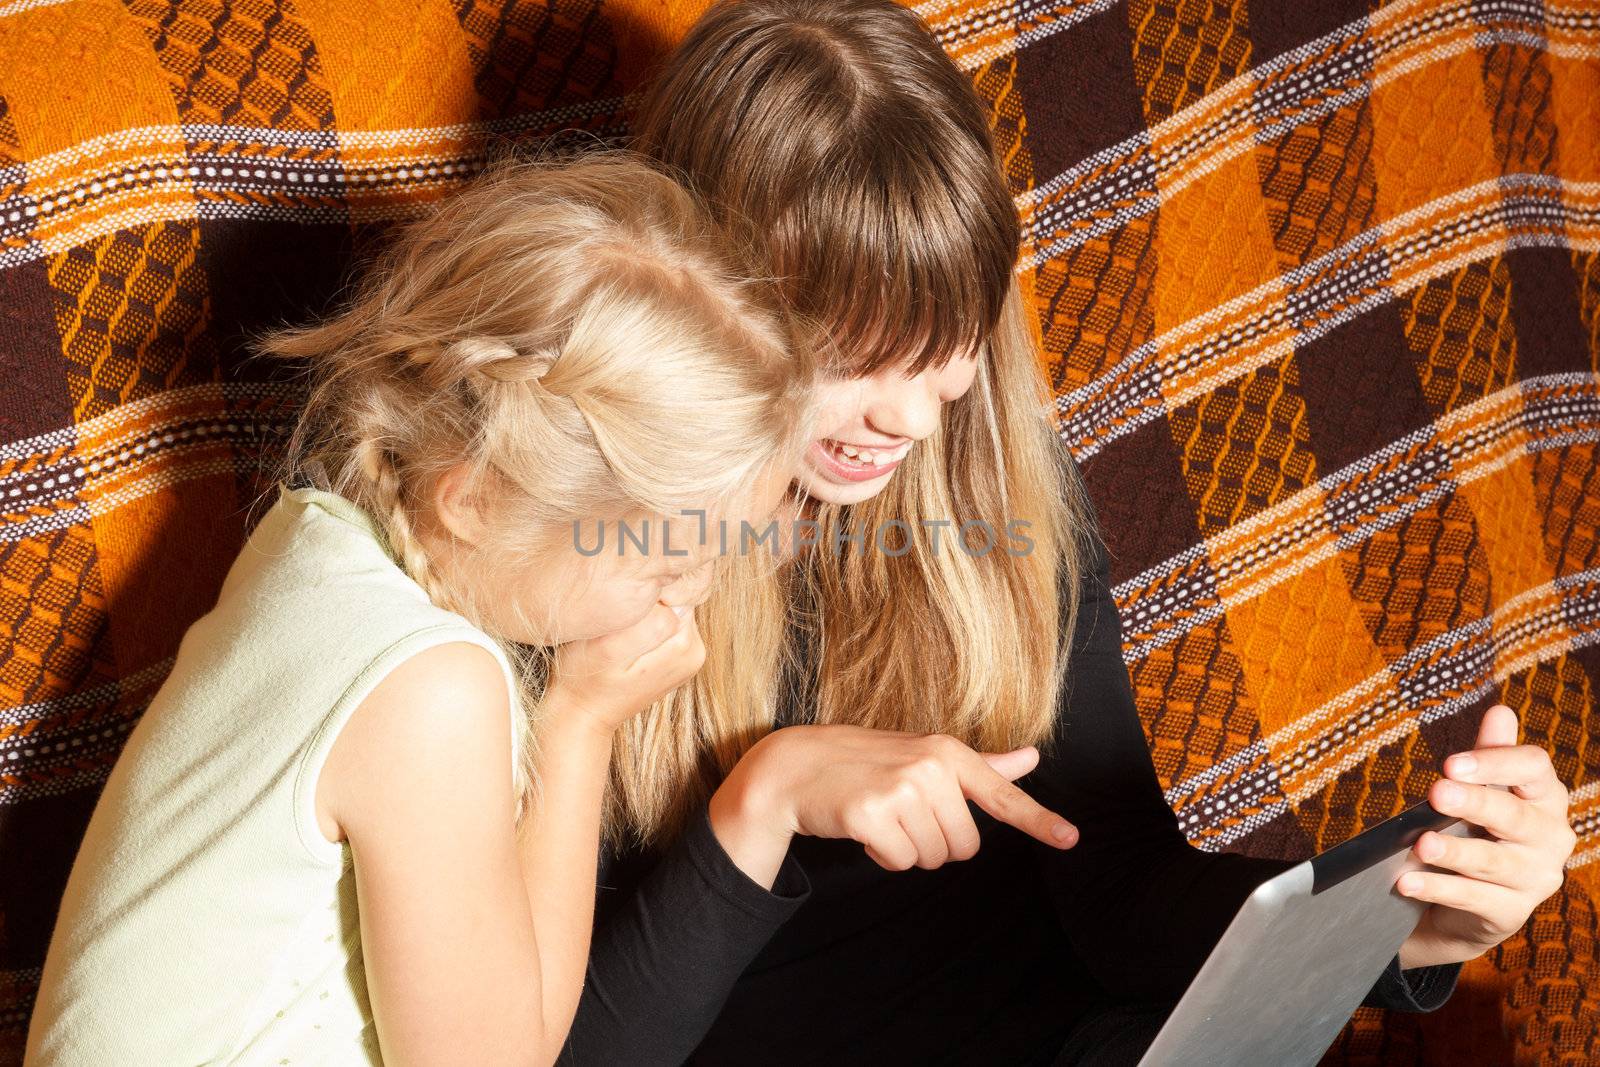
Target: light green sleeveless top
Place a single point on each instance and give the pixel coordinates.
(206, 918)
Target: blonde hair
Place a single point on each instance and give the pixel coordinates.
(585, 341)
(859, 159)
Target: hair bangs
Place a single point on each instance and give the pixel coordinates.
(908, 271)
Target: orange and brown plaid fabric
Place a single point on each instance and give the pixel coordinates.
(1319, 285)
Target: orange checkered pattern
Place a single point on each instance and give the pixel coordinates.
(1319, 286)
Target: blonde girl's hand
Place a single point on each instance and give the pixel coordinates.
(611, 678)
(902, 796)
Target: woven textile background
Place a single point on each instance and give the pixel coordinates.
(1319, 287)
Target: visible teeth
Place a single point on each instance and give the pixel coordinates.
(872, 457)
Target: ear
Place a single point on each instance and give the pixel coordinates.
(456, 507)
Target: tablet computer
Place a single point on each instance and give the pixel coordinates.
(1302, 952)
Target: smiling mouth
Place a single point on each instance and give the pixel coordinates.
(856, 463)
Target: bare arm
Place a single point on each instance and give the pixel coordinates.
(598, 684)
(451, 891)
(558, 839)
(419, 784)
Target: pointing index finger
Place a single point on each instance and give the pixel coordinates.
(1008, 802)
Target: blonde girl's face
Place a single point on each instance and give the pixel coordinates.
(874, 421)
(578, 594)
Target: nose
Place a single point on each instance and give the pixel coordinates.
(691, 588)
(906, 407)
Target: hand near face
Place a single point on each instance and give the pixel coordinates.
(1488, 887)
(613, 677)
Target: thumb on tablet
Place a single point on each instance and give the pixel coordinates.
(1014, 764)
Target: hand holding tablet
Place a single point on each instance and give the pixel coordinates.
(1302, 951)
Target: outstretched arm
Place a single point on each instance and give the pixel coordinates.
(1141, 904)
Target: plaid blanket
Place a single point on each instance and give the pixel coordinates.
(1318, 285)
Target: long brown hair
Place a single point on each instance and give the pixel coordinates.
(846, 145)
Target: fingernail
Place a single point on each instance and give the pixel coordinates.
(1429, 848)
(1410, 883)
(1462, 764)
(1064, 832)
(680, 610)
(1451, 794)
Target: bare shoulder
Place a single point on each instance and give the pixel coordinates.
(437, 717)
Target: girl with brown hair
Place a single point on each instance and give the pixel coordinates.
(741, 920)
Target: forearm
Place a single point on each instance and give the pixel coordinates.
(1423, 974)
(559, 842)
(748, 820)
(664, 962)
(1425, 948)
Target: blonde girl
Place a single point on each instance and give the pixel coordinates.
(795, 900)
(328, 839)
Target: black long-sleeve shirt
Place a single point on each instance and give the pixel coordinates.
(992, 960)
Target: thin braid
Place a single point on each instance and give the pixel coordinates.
(504, 332)
(384, 479)
(379, 470)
